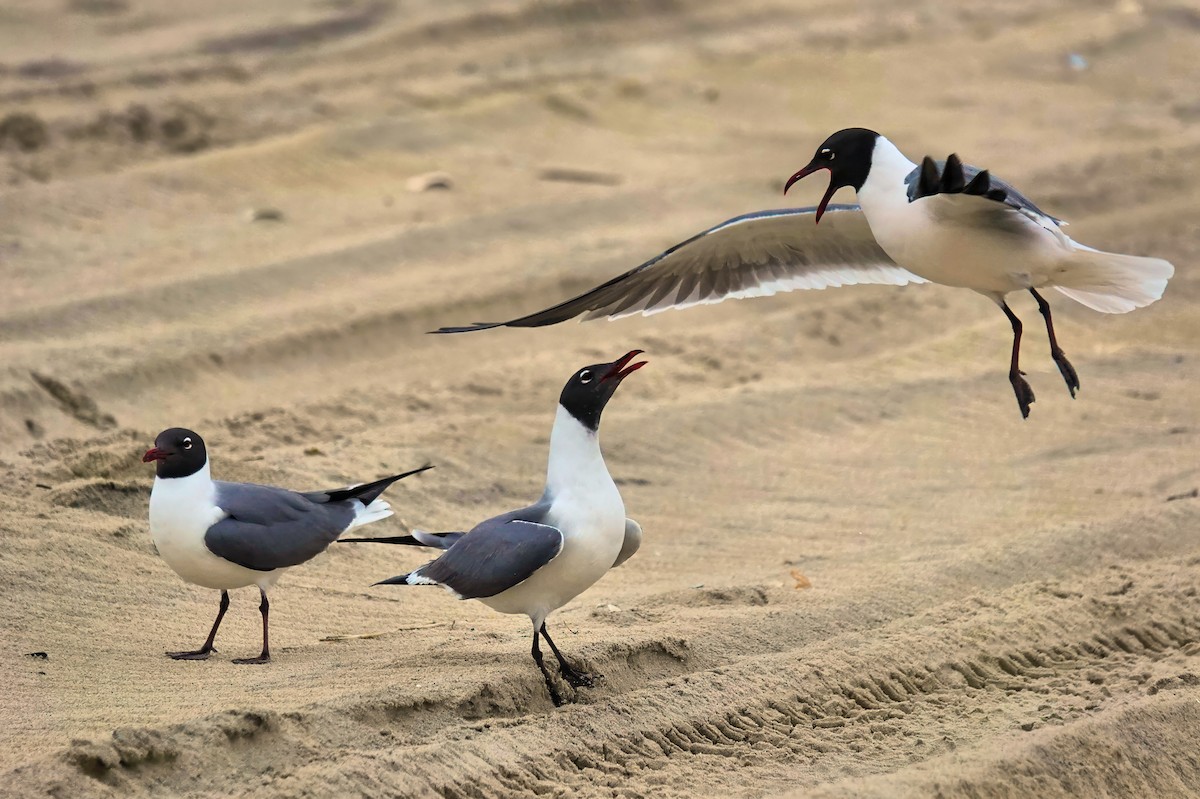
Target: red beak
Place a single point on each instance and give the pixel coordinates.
(155, 454)
(619, 371)
(803, 173)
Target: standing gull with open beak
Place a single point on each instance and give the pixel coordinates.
(534, 560)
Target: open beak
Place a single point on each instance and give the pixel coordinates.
(803, 173)
(619, 370)
(155, 454)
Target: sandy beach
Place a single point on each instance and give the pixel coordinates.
(864, 575)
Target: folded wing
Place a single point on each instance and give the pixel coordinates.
(271, 528)
(495, 556)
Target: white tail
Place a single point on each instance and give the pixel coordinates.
(365, 514)
(1112, 283)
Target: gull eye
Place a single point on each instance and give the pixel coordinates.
(827, 154)
(585, 376)
(187, 443)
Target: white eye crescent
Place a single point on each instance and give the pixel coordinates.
(585, 376)
(187, 443)
(828, 154)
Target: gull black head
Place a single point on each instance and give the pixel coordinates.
(178, 452)
(847, 156)
(588, 391)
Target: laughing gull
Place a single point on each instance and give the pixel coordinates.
(534, 560)
(941, 222)
(230, 535)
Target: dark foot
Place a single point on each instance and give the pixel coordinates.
(1067, 370)
(579, 679)
(199, 654)
(1023, 391)
(264, 658)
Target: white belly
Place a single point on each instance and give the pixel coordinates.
(594, 533)
(181, 511)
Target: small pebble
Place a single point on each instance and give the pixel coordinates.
(428, 181)
(264, 215)
(573, 175)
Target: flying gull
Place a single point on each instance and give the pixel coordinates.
(941, 222)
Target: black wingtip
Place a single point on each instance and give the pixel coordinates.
(369, 492)
(441, 331)
(406, 540)
(929, 180)
(980, 184)
(387, 481)
(952, 175)
(952, 180)
(400, 579)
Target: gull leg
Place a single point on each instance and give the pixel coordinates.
(555, 697)
(1064, 366)
(203, 652)
(265, 657)
(1020, 386)
(576, 679)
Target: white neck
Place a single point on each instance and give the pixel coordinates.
(199, 482)
(183, 505)
(885, 182)
(575, 457)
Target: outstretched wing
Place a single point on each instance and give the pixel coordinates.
(755, 255)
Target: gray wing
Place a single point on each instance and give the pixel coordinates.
(269, 528)
(632, 543)
(754, 255)
(953, 177)
(495, 556)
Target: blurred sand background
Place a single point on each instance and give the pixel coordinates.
(206, 219)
